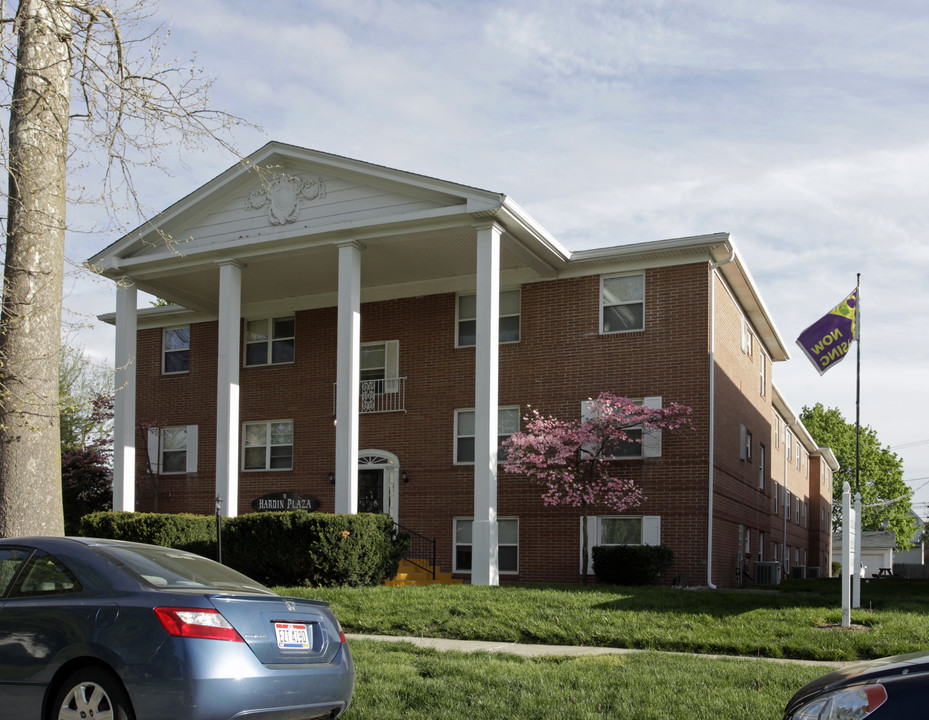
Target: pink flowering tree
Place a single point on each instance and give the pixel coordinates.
(573, 459)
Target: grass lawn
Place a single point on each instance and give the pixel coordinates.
(396, 680)
(798, 621)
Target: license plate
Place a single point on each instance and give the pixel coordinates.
(293, 636)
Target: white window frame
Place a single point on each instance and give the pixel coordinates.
(650, 446)
(502, 433)
(500, 544)
(777, 497)
(267, 445)
(388, 381)
(157, 447)
(268, 341)
(762, 462)
(650, 534)
(747, 337)
(605, 304)
(745, 443)
(787, 502)
(509, 292)
(165, 351)
(788, 443)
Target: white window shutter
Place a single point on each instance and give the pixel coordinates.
(651, 529)
(593, 538)
(651, 439)
(742, 439)
(192, 442)
(154, 456)
(392, 365)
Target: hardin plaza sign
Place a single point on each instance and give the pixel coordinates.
(284, 501)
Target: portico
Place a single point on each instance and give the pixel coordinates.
(292, 229)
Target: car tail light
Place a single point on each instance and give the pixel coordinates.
(196, 623)
(338, 626)
(852, 703)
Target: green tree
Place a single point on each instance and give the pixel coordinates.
(885, 499)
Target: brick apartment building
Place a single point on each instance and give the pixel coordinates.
(361, 338)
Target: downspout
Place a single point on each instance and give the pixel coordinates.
(712, 420)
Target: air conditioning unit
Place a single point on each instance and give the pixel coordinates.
(812, 572)
(767, 573)
(798, 572)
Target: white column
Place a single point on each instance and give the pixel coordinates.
(124, 405)
(348, 379)
(227, 387)
(484, 560)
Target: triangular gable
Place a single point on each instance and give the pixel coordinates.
(281, 191)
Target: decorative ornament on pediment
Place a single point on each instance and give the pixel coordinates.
(283, 196)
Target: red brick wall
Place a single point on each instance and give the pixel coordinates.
(561, 360)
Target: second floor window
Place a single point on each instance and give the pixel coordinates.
(507, 424)
(622, 303)
(268, 445)
(175, 350)
(509, 318)
(269, 341)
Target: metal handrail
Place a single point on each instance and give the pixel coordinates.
(421, 548)
(378, 396)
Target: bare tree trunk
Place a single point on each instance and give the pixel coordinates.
(30, 334)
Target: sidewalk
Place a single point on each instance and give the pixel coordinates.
(527, 650)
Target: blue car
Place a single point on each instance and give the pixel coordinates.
(885, 689)
(111, 630)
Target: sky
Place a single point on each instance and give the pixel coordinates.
(798, 127)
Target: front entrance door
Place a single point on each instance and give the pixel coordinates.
(371, 491)
(378, 482)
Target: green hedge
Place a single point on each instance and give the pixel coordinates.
(195, 533)
(631, 564)
(285, 548)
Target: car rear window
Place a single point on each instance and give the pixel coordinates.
(168, 569)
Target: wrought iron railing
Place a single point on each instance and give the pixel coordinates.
(421, 550)
(379, 396)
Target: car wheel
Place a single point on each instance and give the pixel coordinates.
(92, 693)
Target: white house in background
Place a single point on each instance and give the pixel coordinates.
(877, 551)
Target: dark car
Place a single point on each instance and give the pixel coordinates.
(892, 687)
(110, 630)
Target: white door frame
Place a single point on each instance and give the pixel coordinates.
(382, 460)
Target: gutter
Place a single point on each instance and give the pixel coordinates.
(712, 420)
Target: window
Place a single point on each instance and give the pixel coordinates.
(797, 461)
(11, 559)
(619, 530)
(269, 341)
(268, 445)
(777, 497)
(761, 541)
(380, 366)
(748, 541)
(173, 449)
(787, 443)
(509, 318)
(175, 350)
(622, 303)
(640, 444)
(45, 575)
(787, 502)
(507, 545)
(747, 337)
(507, 424)
(762, 453)
(777, 430)
(763, 375)
(745, 441)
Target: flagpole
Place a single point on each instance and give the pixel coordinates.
(856, 578)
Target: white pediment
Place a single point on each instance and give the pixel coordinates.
(278, 194)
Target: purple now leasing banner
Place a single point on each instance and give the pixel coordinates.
(828, 340)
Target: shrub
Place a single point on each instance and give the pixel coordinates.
(836, 568)
(631, 564)
(195, 533)
(275, 548)
(301, 548)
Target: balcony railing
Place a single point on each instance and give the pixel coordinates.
(379, 396)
